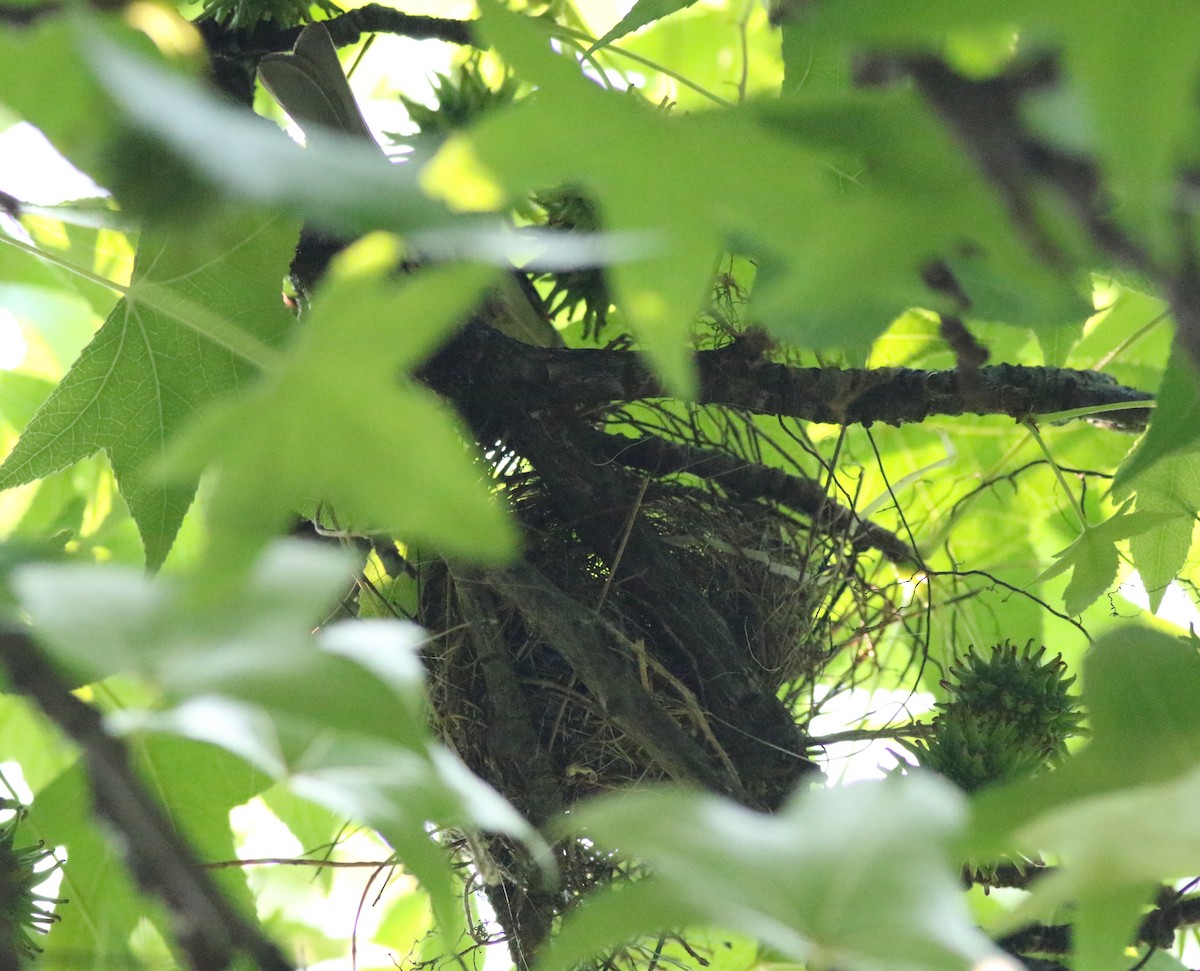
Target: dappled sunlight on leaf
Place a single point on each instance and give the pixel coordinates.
(155, 364)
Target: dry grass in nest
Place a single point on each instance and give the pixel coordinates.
(764, 572)
(789, 593)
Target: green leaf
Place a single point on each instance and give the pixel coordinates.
(858, 166)
(21, 395)
(1140, 121)
(1115, 851)
(102, 621)
(27, 736)
(1021, 291)
(1171, 487)
(1143, 121)
(341, 181)
(197, 786)
(159, 359)
(1093, 557)
(858, 877)
(1107, 916)
(340, 718)
(910, 340)
(37, 290)
(43, 58)
(643, 12)
(338, 426)
(314, 826)
(800, 56)
(104, 906)
(1058, 342)
(878, 147)
(1172, 424)
(906, 23)
(606, 155)
(1129, 337)
(1162, 961)
(406, 922)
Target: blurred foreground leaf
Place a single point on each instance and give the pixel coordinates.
(339, 717)
(859, 877)
(1116, 814)
(407, 470)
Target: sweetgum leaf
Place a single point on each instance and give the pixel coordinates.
(340, 718)
(854, 201)
(1170, 487)
(858, 877)
(642, 13)
(1093, 557)
(44, 57)
(340, 181)
(104, 905)
(338, 425)
(1173, 424)
(1140, 122)
(149, 368)
(197, 785)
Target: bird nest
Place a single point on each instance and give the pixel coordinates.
(512, 699)
(745, 558)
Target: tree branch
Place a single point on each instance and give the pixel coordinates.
(208, 929)
(348, 28)
(24, 14)
(752, 481)
(1157, 929)
(482, 370)
(986, 117)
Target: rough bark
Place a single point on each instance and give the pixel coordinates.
(483, 369)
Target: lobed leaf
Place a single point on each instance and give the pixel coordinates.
(159, 360)
(339, 718)
(643, 12)
(858, 877)
(405, 470)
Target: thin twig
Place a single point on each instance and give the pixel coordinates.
(612, 572)
(298, 861)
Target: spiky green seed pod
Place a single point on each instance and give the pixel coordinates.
(463, 97)
(21, 870)
(568, 208)
(460, 98)
(1009, 716)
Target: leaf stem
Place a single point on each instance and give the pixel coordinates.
(1056, 416)
(584, 37)
(1062, 480)
(1132, 339)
